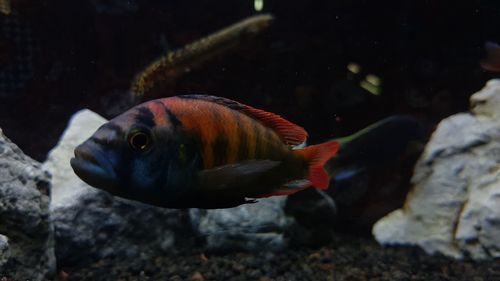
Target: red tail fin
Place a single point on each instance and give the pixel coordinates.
(318, 155)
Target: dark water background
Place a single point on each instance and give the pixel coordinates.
(60, 56)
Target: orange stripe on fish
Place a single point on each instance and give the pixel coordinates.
(207, 131)
(160, 115)
(218, 124)
(251, 144)
(234, 135)
(261, 142)
(248, 127)
(289, 132)
(209, 124)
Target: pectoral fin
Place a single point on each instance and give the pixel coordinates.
(234, 175)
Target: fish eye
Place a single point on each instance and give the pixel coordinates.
(139, 141)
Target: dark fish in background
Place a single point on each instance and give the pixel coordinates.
(201, 151)
(492, 61)
(371, 156)
(375, 145)
(369, 177)
(174, 64)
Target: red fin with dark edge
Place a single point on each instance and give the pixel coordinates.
(289, 132)
(318, 155)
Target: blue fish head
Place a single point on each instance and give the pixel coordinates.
(139, 162)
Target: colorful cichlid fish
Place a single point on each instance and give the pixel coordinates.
(202, 152)
(173, 64)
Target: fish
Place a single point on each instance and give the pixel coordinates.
(369, 155)
(369, 177)
(492, 61)
(200, 151)
(175, 63)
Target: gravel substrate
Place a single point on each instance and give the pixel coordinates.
(345, 258)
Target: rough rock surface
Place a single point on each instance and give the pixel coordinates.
(26, 239)
(250, 227)
(91, 224)
(454, 206)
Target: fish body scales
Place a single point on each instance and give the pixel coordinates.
(224, 135)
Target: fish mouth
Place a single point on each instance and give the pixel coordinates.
(93, 167)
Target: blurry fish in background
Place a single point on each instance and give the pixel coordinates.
(169, 67)
(369, 177)
(5, 7)
(371, 148)
(492, 60)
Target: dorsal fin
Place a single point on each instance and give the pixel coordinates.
(290, 133)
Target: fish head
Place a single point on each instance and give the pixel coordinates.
(131, 157)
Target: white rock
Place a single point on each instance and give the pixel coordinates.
(249, 227)
(454, 205)
(81, 126)
(487, 101)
